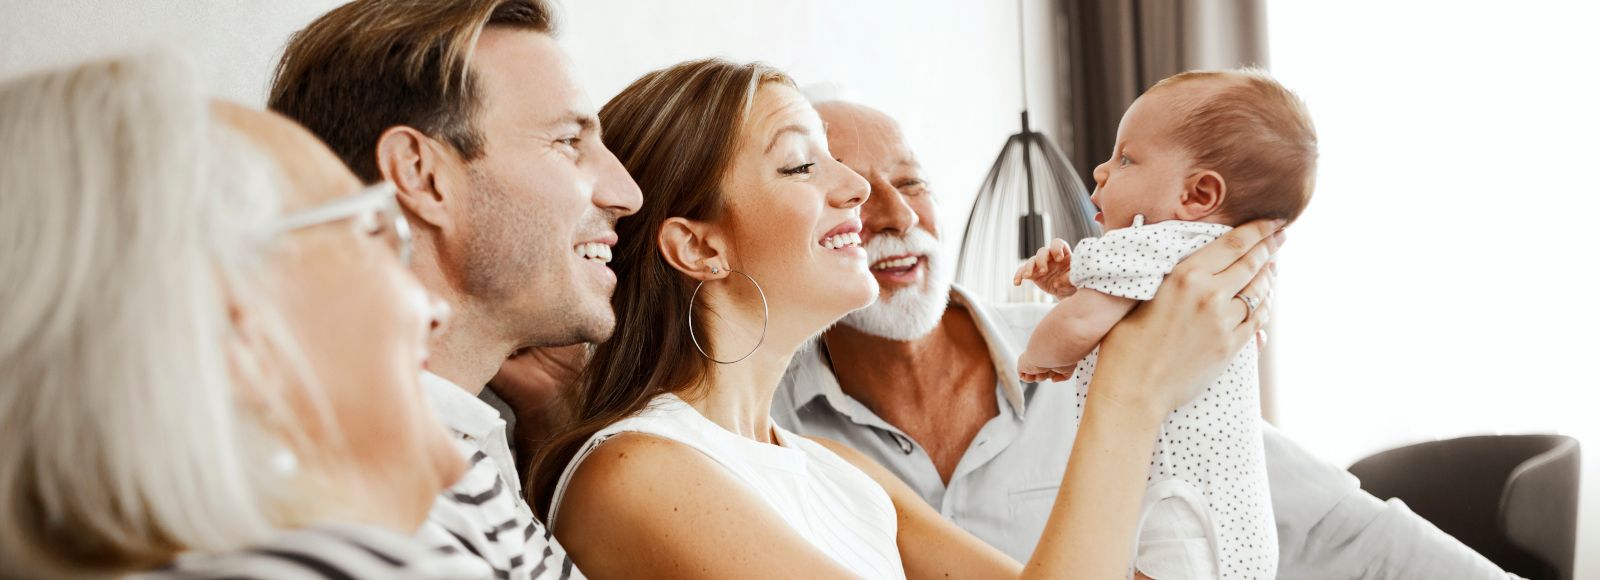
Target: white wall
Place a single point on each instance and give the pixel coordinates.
(946, 68)
(1443, 281)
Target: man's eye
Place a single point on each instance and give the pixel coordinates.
(570, 142)
(798, 170)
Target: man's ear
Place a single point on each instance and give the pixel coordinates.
(693, 248)
(416, 164)
(1203, 194)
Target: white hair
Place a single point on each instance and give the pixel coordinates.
(128, 218)
(909, 313)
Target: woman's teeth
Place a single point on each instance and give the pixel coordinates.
(895, 264)
(850, 240)
(595, 251)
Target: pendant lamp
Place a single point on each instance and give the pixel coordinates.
(1030, 196)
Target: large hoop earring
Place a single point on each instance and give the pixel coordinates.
(766, 316)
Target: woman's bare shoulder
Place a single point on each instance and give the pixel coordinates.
(636, 489)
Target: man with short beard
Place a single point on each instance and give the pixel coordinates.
(473, 112)
(925, 383)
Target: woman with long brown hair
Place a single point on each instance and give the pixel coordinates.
(746, 247)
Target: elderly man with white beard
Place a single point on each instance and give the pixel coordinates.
(925, 383)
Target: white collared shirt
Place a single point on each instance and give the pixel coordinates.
(483, 516)
(1005, 483)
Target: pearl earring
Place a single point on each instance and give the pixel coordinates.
(284, 461)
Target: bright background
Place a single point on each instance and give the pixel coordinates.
(1443, 282)
(947, 69)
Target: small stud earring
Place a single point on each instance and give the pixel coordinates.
(714, 270)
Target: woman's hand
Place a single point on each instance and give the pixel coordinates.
(1164, 352)
(1049, 269)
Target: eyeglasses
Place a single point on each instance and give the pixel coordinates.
(377, 198)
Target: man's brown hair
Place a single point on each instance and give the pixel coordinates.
(374, 64)
(1254, 132)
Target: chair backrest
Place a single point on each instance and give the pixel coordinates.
(1513, 498)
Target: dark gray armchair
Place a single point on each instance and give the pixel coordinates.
(1513, 498)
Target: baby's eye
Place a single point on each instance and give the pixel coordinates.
(1124, 161)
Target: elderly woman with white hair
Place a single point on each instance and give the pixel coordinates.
(202, 348)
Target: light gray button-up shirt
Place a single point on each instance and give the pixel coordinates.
(1005, 484)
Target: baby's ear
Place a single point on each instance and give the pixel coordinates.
(1203, 194)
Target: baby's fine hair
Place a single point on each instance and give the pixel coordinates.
(1254, 132)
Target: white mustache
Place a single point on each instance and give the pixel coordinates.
(915, 242)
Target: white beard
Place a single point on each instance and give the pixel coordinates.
(909, 313)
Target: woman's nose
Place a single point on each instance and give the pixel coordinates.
(852, 189)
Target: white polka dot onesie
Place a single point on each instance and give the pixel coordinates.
(1207, 512)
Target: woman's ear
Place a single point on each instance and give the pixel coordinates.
(244, 348)
(414, 163)
(1203, 194)
(692, 248)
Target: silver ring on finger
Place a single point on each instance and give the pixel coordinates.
(1250, 305)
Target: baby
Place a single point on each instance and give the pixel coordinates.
(1197, 154)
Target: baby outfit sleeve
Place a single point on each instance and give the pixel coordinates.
(1131, 262)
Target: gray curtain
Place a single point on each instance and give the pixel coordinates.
(1110, 51)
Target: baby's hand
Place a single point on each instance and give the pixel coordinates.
(1049, 269)
(1035, 374)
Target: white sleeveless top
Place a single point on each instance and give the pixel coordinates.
(828, 501)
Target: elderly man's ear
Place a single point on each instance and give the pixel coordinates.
(694, 248)
(425, 174)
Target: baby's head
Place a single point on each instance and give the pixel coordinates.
(1223, 147)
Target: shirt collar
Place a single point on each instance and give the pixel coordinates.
(460, 411)
(1001, 352)
(812, 378)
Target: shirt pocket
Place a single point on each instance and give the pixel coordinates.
(1033, 500)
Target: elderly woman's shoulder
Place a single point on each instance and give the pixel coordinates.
(328, 551)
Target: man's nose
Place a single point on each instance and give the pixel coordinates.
(615, 191)
(887, 210)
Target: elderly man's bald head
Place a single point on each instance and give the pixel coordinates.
(856, 131)
(311, 172)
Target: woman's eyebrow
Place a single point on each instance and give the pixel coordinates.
(793, 128)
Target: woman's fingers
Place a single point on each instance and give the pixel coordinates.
(1245, 270)
(1230, 247)
(1260, 288)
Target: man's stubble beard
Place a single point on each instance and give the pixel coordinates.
(519, 273)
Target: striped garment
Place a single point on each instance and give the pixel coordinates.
(326, 552)
(483, 518)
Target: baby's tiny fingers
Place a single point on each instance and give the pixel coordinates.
(1059, 249)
